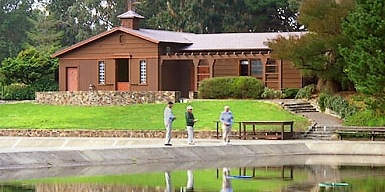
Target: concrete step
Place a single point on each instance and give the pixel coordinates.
(301, 107)
(304, 110)
(317, 136)
(296, 104)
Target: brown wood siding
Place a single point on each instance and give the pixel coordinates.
(108, 49)
(291, 77)
(62, 73)
(87, 71)
(226, 68)
(88, 74)
(134, 72)
(112, 46)
(152, 75)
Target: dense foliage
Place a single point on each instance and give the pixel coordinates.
(365, 27)
(316, 52)
(27, 73)
(290, 93)
(14, 24)
(230, 87)
(211, 16)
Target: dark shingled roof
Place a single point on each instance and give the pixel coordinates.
(194, 42)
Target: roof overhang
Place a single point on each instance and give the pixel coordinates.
(101, 35)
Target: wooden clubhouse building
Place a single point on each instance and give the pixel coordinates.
(128, 58)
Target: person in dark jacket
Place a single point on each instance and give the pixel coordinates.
(190, 121)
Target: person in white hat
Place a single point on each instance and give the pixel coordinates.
(227, 121)
(190, 121)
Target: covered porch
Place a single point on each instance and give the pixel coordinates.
(184, 71)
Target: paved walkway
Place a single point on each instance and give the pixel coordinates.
(322, 119)
(33, 152)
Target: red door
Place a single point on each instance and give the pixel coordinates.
(72, 79)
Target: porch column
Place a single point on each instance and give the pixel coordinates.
(279, 71)
(196, 63)
(211, 62)
(264, 61)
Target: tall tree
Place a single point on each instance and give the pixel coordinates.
(41, 36)
(274, 15)
(365, 27)
(14, 24)
(210, 16)
(316, 53)
(80, 19)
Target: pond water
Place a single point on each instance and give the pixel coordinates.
(279, 173)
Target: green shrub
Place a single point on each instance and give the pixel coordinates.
(289, 93)
(19, 91)
(271, 93)
(306, 92)
(1, 91)
(45, 85)
(365, 118)
(336, 104)
(230, 87)
(321, 101)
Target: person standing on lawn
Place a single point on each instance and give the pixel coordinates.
(168, 117)
(190, 121)
(227, 121)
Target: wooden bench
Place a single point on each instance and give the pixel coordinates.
(255, 123)
(372, 132)
(287, 172)
(219, 134)
(242, 134)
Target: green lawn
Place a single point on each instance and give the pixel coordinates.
(138, 117)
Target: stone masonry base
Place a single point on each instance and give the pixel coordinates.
(103, 133)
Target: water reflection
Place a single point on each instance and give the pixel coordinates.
(257, 174)
(226, 183)
(167, 177)
(190, 181)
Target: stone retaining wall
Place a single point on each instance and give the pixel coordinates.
(102, 133)
(117, 133)
(105, 98)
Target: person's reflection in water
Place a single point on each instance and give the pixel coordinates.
(226, 183)
(190, 181)
(167, 176)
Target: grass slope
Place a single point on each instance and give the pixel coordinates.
(138, 117)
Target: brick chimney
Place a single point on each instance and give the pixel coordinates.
(130, 19)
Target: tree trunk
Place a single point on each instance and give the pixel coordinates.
(328, 85)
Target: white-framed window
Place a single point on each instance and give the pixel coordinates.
(102, 72)
(143, 72)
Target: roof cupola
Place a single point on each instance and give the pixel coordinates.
(130, 19)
